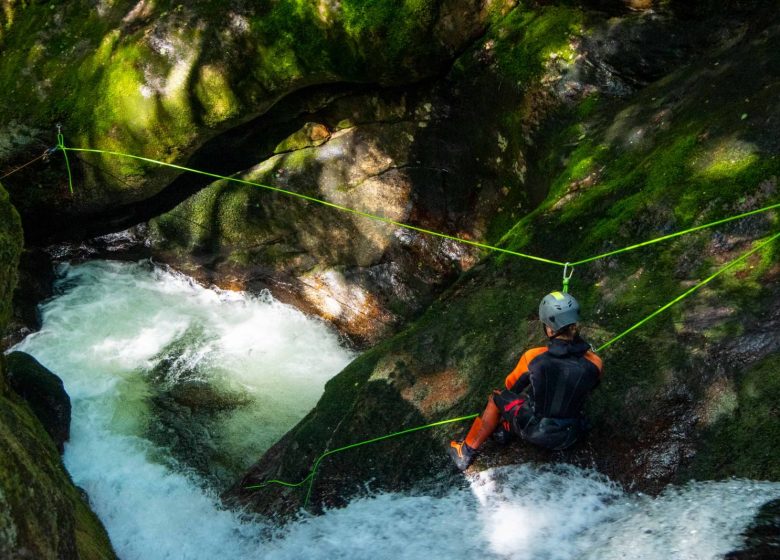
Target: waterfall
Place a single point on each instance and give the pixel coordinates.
(177, 388)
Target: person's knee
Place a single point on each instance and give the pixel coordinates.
(491, 402)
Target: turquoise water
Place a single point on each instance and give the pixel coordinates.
(121, 335)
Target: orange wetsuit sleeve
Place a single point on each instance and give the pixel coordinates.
(521, 368)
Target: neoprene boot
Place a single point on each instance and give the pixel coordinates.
(461, 454)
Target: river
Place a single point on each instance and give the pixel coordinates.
(177, 388)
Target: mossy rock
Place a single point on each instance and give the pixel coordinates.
(677, 154)
(44, 392)
(43, 515)
(158, 80)
(742, 439)
(11, 241)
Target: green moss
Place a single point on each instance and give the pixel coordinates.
(11, 241)
(215, 95)
(526, 40)
(47, 515)
(396, 24)
(158, 79)
(744, 441)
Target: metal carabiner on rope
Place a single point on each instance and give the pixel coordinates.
(568, 272)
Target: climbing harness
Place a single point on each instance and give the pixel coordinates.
(568, 271)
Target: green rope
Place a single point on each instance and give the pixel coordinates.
(376, 217)
(677, 234)
(319, 201)
(312, 473)
(691, 290)
(61, 146)
(311, 476)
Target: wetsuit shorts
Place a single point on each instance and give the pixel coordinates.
(518, 417)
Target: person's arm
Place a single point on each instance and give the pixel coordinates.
(596, 361)
(519, 379)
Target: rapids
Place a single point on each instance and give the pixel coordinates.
(123, 336)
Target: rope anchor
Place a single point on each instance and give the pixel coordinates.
(61, 146)
(568, 272)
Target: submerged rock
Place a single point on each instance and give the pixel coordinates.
(44, 392)
(188, 408)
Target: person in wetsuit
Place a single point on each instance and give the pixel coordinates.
(546, 392)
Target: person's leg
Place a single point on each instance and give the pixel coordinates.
(462, 452)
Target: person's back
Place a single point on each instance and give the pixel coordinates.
(562, 377)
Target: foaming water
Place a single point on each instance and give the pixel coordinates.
(121, 335)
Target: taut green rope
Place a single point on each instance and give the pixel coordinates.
(691, 290)
(61, 145)
(320, 201)
(677, 234)
(312, 473)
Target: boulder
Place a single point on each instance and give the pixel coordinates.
(692, 393)
(44, 392)
(43, 515)
(762, 537)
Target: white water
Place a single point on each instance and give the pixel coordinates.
(107, 330)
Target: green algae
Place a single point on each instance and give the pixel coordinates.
(49, 517)
(744, 439)
(657, 163)
(11, 241)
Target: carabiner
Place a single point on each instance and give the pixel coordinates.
(567, 268)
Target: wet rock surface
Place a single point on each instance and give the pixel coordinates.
(186, 408)
(680, 394)
(44, 392)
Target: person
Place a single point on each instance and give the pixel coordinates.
(556, 379)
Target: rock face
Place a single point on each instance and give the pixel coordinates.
(440, 155)
(42, 514)
(159, 79)
(44, 392)
(688, 394)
